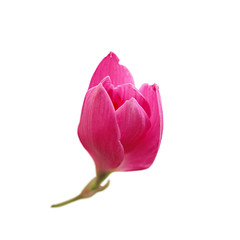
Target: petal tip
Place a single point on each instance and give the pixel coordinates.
(113, 56)
(155, 87)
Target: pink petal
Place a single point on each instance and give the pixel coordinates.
(133, 123)
(109, 66)
(98, 130)
(120, 94)
(143, 155)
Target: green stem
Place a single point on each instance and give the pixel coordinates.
(91, 188)
(66, 202)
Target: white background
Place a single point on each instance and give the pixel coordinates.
(48, 53)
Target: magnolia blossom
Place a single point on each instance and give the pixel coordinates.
(120, 126)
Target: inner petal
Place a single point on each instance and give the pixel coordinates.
(120, 94)
(133, 123)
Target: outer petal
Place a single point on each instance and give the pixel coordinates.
(133, 123)
(109, 66)
(143, 155)
(98, 130)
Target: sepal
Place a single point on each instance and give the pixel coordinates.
(93, 187)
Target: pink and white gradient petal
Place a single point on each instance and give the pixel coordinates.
(143, 155)
(98, 130)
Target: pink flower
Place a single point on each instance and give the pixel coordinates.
(120, 126)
